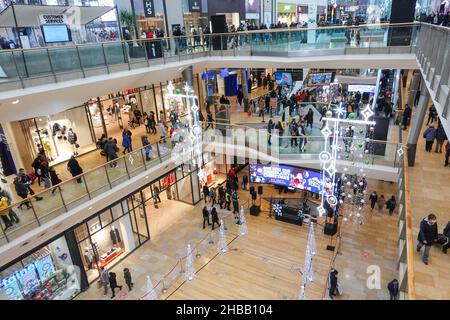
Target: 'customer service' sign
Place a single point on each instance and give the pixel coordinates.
(53, 18)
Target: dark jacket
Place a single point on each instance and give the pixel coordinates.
(214, 215)
(21, 187)
(447, 230)
(393, 288)
(440, 133)
(112, 280)
(74, 167)
(333, 279)
(430, 134)
(427, 232)
(127, 276)
(205, 213)
(373, 198)
(111, 149)
(54, 177)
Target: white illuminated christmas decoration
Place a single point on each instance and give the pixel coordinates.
(223, 245)
(190, 268)
(308, 268)
(151, 294)
(195, 132)
(242, 223)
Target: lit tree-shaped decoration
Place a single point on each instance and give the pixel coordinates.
(242, 223)
(223, 245)
(151, 295)
(308, 268)
(190, 268)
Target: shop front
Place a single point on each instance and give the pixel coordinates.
(49, 273)
(60, 135)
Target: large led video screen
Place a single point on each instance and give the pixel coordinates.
(321, 78)
(286, 176)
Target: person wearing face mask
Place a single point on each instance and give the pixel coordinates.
(427, 234)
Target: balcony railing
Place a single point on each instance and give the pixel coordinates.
(22, 68)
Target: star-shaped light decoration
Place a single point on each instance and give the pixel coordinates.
(367, 112)
(170, 88)
(336, 147)
(278, 209)
(131, 159)
(187, 88)
(339, 110)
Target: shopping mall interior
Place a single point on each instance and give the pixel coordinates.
(265, 150)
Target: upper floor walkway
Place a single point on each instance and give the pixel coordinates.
(60, 77)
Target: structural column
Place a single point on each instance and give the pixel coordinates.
(413, 88)
(244, 87)
(312, 22)
(188, 76)
(414, 132)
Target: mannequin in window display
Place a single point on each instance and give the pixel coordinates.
(89, 257)
(48, 149)
(73, 138)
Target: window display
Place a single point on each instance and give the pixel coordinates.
(47, 274)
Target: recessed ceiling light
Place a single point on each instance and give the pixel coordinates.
(90, 208)
(146, 177)
(15, 101)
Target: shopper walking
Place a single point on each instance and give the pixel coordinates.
(333, 283)
(206, 192)
(235, 200)
(212, 196)
(432, 114)
(104, 278)
(406, 117)
(127, 278)
(429, 135)
(391, 204)
(227, 199)
(440, 138)
(447, 153)
(156, 197)
(22, 191)
(205, 214)
(110, 151)
(126, 143)
(244, 182)
(427, 234)
(214, 217)
(381, 202)
(447, 234)
(26, 180)
(309, 118)
(393, 289)
(162, 131)
(55, 180)
(373, 198)
(113, 284)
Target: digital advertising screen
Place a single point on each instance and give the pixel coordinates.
(9, 289)
(56, 33)
(361, 88)
(321, 78)
(286, 176)
(27, 278)
(283, 78)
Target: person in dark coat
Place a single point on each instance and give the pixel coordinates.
(406, 117)
(333, 283)
(113, 283)
(393, 289)
(447, 234)
(373, 199)
(127, 278)
(74, 168)
(309, 118)
(429, 135)
(205, 213)
(111, 150)
(214, 217)
(391, 204)
(244, 182)
(240, 96)
(205, 192)
(440, 138)
(427, 234)
(54, 178)
(126, 143)
(235, 200)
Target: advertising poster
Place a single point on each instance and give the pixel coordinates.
(252, 9)
(9, 289)
(286, 176)
(149, 9)
(195, 5)
(45, 268)
(27, 278)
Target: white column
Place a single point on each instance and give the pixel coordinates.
(312, 22)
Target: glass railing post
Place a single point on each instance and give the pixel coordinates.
(104, 58)
(86, 186)
(144, 160)
(17, 70)
(79, 61)
(51, 65)
(370, 40)
(34, 213)
(126, 167)
(62, 198)
(158, 151)
(107, 176)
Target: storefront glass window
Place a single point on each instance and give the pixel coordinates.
(195, 187)
(47, 274)
(184, 190)
(148, 101)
